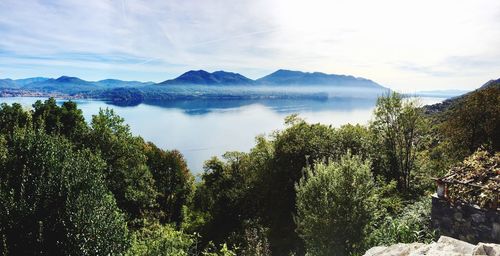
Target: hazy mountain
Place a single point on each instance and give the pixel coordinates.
(63, 84)
(26, 81)
(280, 77)
(202, 77)
(282, 84)
(7, 83)
(439, 93)
(445, 105)
(199, 77)
(66, 85)
(289, 77)
(120, 83)
(18, 83)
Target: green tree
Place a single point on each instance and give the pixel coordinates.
(274, 165)
(293, 148)
(173, 181)
(13, 117)
(473, 122)
(333, 206)
(224, 195)
(353, 138)
(66, 120)
(399, 129)
(54, 200)
(127, 174)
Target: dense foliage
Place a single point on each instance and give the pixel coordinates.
(474, 121)
(333, 206)
(54, 199)
(413, 224)
(156, 239)
(70, 186)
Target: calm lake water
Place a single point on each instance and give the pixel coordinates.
(201, 129)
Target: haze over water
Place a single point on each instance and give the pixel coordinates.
(202, 129)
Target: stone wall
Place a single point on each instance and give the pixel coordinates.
(465, 222)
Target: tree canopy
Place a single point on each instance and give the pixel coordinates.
(70, 186)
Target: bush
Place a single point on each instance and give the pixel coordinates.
(53, 200)
(412, 225)
(333, 206)
(155, 239)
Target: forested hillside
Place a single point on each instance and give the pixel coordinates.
(71, 187)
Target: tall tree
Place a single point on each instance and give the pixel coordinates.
(399, 129)
(294, 148)
(224, 195)
(127, 173)
(172, 179)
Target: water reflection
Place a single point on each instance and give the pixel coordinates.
(204, 106)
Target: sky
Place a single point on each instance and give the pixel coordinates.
(404, 45)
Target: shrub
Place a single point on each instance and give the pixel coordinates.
(412, 225)
(155, 239)
(333, 206)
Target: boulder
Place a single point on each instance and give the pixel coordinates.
(444, 246)
(487, 249)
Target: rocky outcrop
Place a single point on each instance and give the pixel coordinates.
(444, 246)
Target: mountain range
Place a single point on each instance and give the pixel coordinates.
(72, 83)
(198, 84)
(201, 77)
(280, 77)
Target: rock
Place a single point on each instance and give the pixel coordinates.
(458, 216)
(478, 217)
(450, 246)
(375, 250)
(444, 246)
(395, 250)
(455, 243)
(487, 249)
(495, 232)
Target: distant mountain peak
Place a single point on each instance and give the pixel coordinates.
(202, 77)
(291, 77)
(222, 72)
(193, 72)
(287, 72)
(70, 79)
(117, 82)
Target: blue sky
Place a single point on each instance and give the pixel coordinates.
(405, 45)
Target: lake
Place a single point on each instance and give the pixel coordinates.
(201, 129)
